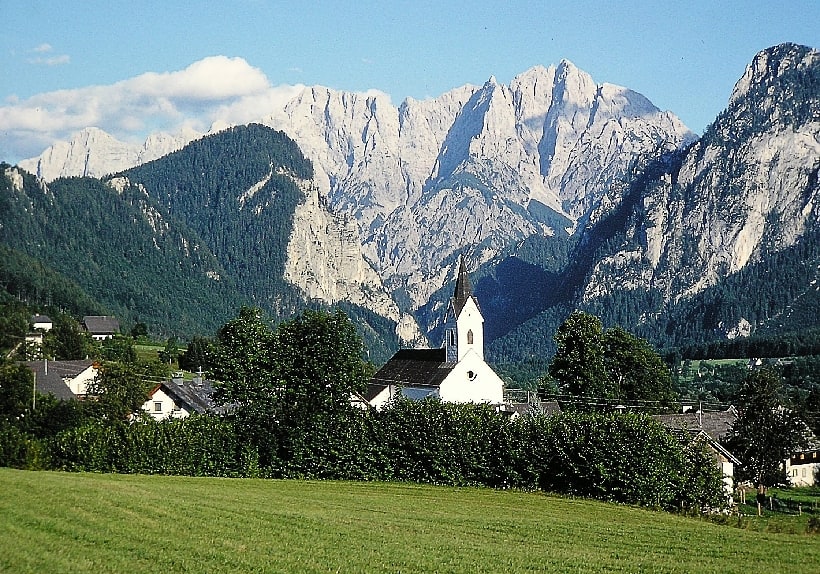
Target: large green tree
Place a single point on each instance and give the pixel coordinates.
(592, 363)
(290, 389)
(579, 364)
(765, 433)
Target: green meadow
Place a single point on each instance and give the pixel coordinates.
(63, 522)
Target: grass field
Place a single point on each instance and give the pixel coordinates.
(59, 522)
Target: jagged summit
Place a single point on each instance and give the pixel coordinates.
(773, 63)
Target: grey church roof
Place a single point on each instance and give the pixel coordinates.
(411, 368)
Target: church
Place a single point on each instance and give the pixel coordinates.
(456, 372)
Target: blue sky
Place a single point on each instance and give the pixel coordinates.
(68, 62)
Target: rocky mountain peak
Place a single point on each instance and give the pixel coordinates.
(773, 63)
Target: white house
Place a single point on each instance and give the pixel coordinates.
(101, 326)
(456, 372)
(41, 323)
(802, 468)
(179, 398)
(63, 379)
(709, 429)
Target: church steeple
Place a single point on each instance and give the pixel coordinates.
(463, 288)
(463, 324)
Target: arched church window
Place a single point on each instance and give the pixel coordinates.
(470, 337)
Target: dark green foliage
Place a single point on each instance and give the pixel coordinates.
(764, 434)
(118, 348)
(598, 365)
(16, 390)
(28, 279)
(579, 362)
(67, 341)
(206, 184)
(120, 389)
(194, 446)
(198, 355)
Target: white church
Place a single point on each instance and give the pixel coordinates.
(456, 372)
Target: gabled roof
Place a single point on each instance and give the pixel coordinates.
(40, 319)
(194, 396)
(50, 374)
(716, 424)
(101, 324)
(686, 436)
(411, 368)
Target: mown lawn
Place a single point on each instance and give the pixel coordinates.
(60, 522)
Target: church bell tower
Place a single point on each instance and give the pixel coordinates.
(463, 323)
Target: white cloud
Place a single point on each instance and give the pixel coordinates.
(43, 49)
(213, 90)
(52, 61)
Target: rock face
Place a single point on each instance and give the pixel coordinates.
(477, 166)
(324, 259)
(748, 188)
(94, 153)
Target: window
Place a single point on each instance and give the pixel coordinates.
(157, 406)
(470, 337)
(452, 335)
(471, 375)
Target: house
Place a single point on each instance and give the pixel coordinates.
(708, 428)
(41, 323)
(179, 398)
(455, 372)
(101, 326)
(63, 379)
(803, 468)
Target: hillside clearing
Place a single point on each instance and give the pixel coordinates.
(61, 522)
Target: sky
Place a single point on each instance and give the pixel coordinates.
(135, 67)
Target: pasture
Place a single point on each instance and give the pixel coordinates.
(63, 522)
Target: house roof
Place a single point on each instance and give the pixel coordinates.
(40, 319)
(716, 424)
(195, 396)
(411, 368)
(686, 436)
(50, 376)
(101, 324)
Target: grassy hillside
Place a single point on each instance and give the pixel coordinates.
(55, 522)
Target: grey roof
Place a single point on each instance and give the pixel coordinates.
(40, 319)
(50, 374)
(686, 436)
(411, 368)
(195, 396)
(716, 424)
(101, 324)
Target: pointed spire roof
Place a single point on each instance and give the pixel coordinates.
(463, 288)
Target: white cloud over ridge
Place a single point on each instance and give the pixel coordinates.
(216, 89)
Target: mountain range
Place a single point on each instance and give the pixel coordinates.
(562, 192)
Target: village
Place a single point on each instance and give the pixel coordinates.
(454, 373)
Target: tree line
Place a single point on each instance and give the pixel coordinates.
(288, 393)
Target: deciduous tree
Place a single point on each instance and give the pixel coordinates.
(765, 433)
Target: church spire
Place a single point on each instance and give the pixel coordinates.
(463, 288)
